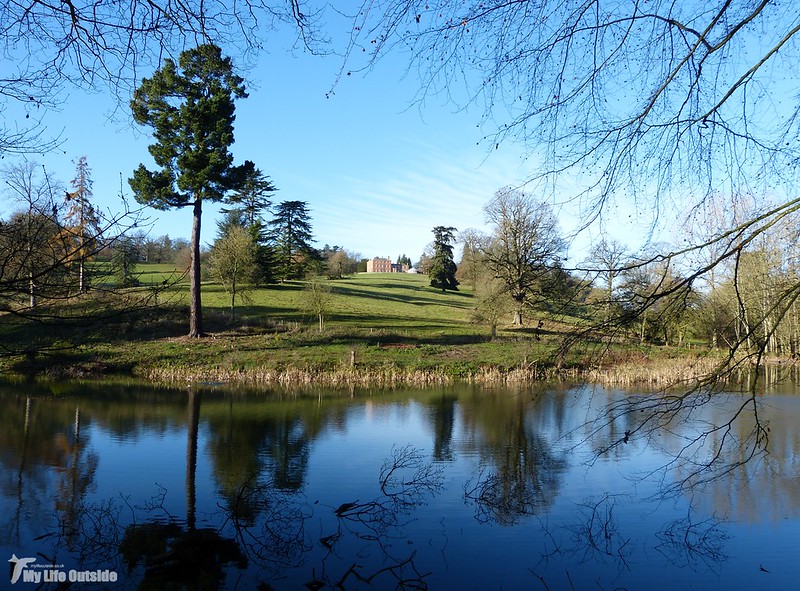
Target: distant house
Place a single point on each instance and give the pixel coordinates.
(379, 265)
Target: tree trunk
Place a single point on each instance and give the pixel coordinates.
(81, 284)
(233, 298)
(31, 290)
(192, 429)
(195, 309)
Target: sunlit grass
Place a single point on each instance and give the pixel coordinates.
(380, 328)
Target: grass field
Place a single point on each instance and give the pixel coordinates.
(379, 328)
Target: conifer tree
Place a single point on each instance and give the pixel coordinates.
(190, 106)
(81, 219)
(442, 270)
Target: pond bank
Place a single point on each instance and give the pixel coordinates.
(255, 360)
(651, 374)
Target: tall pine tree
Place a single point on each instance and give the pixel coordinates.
(81, 220)
(290, 229)
(442, 270)
(190, 106)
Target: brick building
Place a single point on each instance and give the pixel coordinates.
(379, 265)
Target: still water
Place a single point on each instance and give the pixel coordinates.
(126, 487)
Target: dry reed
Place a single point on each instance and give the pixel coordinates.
(292, 377)
(654, 374)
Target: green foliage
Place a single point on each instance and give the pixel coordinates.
(190, 107)
(403, 259)
(290, 232)
(252, 197)
(442, 268)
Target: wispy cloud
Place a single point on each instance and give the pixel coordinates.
(393, 209)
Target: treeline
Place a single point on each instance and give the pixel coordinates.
(729, 291)
(53, 235)
(56, 242)
(144, 248)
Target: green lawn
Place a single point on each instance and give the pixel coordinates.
(388, 324)
(156, 273)
(389, 302)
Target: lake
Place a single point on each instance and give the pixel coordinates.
(116, 486)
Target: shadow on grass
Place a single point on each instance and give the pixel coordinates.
(418, 297)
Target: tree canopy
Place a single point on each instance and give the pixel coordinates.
(290, 231)
(442, 269)
(190, 107)
(524, 249)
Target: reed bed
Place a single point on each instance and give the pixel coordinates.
(654, 374)
(522, 375)
(644, 374)
(389, 377)
(385, 377)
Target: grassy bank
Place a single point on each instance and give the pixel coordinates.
(380, 330)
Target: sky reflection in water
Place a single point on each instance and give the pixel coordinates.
(453, 488)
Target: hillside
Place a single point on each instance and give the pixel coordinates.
(388, 324)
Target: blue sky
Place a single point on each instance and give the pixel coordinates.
(378, 171)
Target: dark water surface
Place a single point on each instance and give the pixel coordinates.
(457, 488)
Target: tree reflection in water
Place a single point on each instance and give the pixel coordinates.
(177, 556)
(262, 527)
(269, 524)
(406, 481)
(262, 457)
(687, 542)
(521, 472)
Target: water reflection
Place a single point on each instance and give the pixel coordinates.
(275, 490)
(520, 473)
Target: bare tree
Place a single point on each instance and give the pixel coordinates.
(471, 266)
(38, 251)
(33, 243)
(606, 261)
(317, 296)
(524, 248)
(233, 263)
(662, 104)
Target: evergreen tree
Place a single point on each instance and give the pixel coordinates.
(190, 106)
(123, 261)
(250, 203)
(81, 219)
(252, 198)
(442, 269)
(291, 234)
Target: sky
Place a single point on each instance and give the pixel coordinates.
(378, 172)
